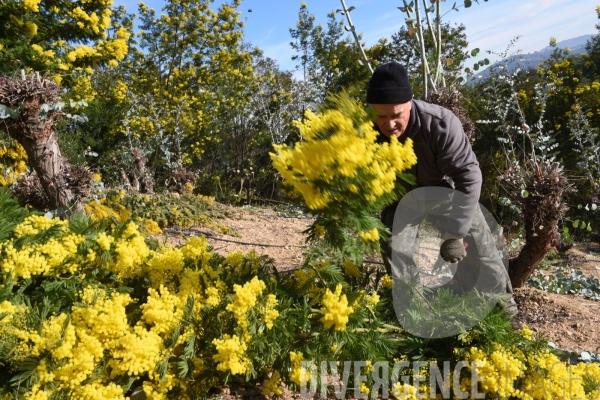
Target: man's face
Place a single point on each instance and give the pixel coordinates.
(392, 119)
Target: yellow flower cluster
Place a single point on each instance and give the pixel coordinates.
(116, 48)
(164, 265)
(244, 299)
(131, 250)
(161, 311)
(370, 236)
(538, 375)
(339, 150)
(99, 330)
(372, 300)
(31, 5)
(230, 355)
(82, 88)
(196, 248)
(97, 327)
(13, 163)
(120, 90)
(81, 51)
(41, 258)
(272, 385)
(151, 227)
(98, 211)
(84, 20)
(270, 314)
(494, 370)
(335, 309)
(386, 281)
(299, 375)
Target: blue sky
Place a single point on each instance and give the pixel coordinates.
(490, 25)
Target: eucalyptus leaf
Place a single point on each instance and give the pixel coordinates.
(474, 52)
(4, 112)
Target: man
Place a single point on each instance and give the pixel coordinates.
(444, 159)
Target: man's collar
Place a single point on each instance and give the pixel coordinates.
(414, 123)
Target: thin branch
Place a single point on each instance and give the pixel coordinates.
(356, 38)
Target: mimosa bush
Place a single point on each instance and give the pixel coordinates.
(343, 174)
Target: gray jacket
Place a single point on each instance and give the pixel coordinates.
(444, 157)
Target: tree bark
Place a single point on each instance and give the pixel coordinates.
(35, 132)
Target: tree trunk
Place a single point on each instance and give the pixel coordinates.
(34, 130)
(538, 243)
(543, 206)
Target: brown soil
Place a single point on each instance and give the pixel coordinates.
(571, 322)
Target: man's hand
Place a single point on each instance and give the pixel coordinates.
(453, 250)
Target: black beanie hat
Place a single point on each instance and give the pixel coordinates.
(389, 85)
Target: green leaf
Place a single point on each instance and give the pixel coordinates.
(468, 3)
(474, 52)
(524, 193)
(589, 228)
(468, 70)
(8, 112)
(576, 224)
(486, 61)
(476, 67)
(579, 206)
(4, 112)
(583, 225)
(565, 230)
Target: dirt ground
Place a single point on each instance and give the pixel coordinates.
(570, 322)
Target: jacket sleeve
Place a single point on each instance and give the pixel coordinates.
(455, 159)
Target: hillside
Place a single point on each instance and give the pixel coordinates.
(531, 60)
